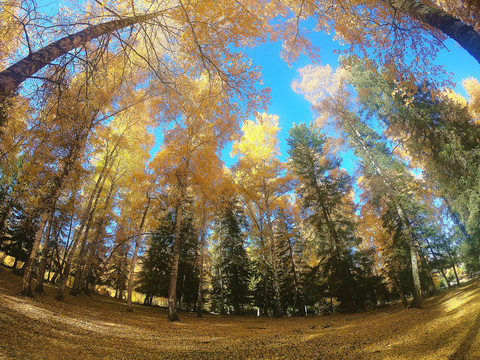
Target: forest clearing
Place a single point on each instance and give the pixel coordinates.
(251, 161)
(97, 327)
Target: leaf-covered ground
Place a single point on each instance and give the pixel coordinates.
(99, 328)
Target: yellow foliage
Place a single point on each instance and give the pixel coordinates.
(10, 30)
(472, 87)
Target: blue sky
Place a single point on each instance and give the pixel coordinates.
(293, 108)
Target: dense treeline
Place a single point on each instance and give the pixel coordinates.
(86, 203)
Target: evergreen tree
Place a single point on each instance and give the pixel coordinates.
(323, 191)
(286, 237)
(154, 278)
(234, 262)
(439, 134)
(18, 236)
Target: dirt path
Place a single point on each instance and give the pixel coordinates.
(99, 328)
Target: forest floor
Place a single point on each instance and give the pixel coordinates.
(97, 327)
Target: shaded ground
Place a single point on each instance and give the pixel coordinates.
(100, 328)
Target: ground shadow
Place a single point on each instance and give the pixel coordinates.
(464, 348)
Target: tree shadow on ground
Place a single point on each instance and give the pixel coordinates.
(464, 348)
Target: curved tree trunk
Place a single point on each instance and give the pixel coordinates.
(463, 34)
(14, 75)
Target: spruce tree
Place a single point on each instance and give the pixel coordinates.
(234, 262)
(323, 191)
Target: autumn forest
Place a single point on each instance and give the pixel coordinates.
(116, 117)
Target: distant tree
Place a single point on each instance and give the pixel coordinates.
(18, 237)
(235, 264)
(287, 238)
(262, 181)
(154, 278)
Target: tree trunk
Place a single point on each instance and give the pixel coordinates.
(68, 265)
(200, 272)
(222, 296)
(463, 34)
(50, 201)
(417, 295)
(428, 273)
(43, 260)
(14, 75)
(276, 280)
(131, 276)
(399, 289)
(172, 290)
(88, 216)
(442, 270)
(28, 267)
(295, 277)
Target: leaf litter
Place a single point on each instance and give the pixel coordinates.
(97, 327)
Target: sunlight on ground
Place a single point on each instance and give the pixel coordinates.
(95, 327)
(37, 313)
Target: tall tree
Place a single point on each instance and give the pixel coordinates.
(235, 264)
(325, 194)
(167, 39)
(261, 178)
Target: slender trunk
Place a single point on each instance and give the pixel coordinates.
(457, 220)
(131, 276)
(399, 289)
(50, 201)
(265, 288)
(68, 265)
(428, 273)
(14, 75)
(61, 262)
(88, 217)
(28, 266)
(273, 254)
(43, 260)
(295, 276)
(200, 272)
(172, 290)
(222, 296)
(456, 275)
(276, 279)
(442, 270)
